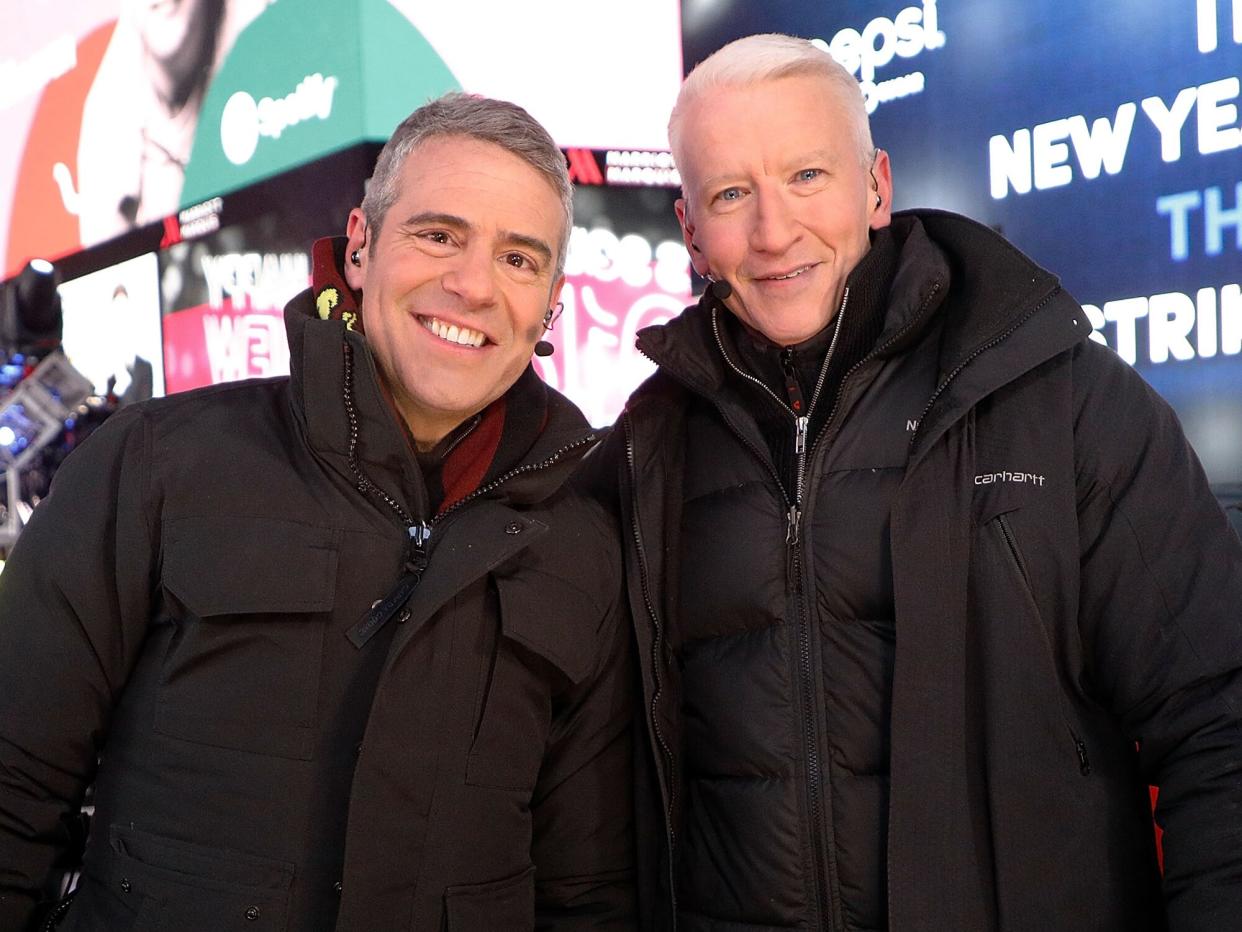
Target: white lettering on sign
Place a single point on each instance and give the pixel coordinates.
(253, 280)
(912, 31)
(1206, 15)
(244, 120)
(244, 346)
(1039, 157)
(1179, 327)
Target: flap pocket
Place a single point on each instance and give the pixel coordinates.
(549, 636)
(230, 564)
(192, 887)
(551, 619)
(241, 667)
(502, 904)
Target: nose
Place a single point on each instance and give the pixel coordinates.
(472, 279)
(774, 228)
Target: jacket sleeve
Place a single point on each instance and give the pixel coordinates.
(582, 808)
(74, 602)
(1161, 610)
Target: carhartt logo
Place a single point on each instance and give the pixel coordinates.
(988, 478)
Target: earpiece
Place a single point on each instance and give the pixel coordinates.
(719, 288)
(544, 347)
(355, 258)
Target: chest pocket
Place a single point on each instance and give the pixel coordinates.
(251, 598)
(547, 643)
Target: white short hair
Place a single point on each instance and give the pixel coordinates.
(754, 59)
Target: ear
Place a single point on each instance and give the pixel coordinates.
(356, 231)
(697, 259)
(882, 170)
(557, 287)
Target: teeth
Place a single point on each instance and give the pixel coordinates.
(794, 274)
(462, 336)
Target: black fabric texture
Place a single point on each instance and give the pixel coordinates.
(1057, 637)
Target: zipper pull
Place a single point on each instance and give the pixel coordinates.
(792, 529)
(793, 525)
(800, 428)
(1084, 763)
(394, 603)
(420, 535)
(792, 387)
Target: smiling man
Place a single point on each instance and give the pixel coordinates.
(928, 586)
(343, 650)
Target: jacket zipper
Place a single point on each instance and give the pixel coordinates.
(1080, 746)
(418, 533)
(1007, 533)
(793, 541)
(914, 434)
(58, 912)
(656, 649)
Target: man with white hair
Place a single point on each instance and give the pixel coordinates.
(929, 587)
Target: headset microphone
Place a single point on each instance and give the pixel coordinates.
(720, 289)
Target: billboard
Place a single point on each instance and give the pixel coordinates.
(112, 329)
(224, 296)
(120, 114)
(626, 269)
(1103, 139)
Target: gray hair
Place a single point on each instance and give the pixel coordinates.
(456, 114)
(754, 59)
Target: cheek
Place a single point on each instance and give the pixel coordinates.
(533, 332)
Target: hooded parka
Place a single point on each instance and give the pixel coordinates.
(926, 685)
(193, 604)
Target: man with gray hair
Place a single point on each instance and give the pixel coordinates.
(343, 650)
(929, 587)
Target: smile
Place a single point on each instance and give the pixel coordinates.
(453, 333)
(788, 275)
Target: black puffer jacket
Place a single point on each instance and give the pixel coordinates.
(1004, 575)
(183, 601)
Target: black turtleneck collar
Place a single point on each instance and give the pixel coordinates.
(861, 323)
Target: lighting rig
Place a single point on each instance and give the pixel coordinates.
(40, 391)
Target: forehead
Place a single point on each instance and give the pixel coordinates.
(480, 181)
(741, 129)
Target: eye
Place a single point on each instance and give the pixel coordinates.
(518, 261)
(810, 174)
(437, 236)
(729, 194)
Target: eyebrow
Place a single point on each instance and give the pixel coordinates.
(435, 218)
(824, 156)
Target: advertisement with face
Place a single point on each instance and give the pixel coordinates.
(122, 113)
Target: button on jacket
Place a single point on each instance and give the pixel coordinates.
(182, 606)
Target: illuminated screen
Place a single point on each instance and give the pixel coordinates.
(1103, 139)
(97, 144)
(224, 298)
(112, 328)
(626, 269)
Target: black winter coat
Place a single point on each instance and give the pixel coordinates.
(180, 604)
(1068, 629)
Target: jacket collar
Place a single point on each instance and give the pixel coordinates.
(1002, 314)
(686, 346)
(317, 337)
